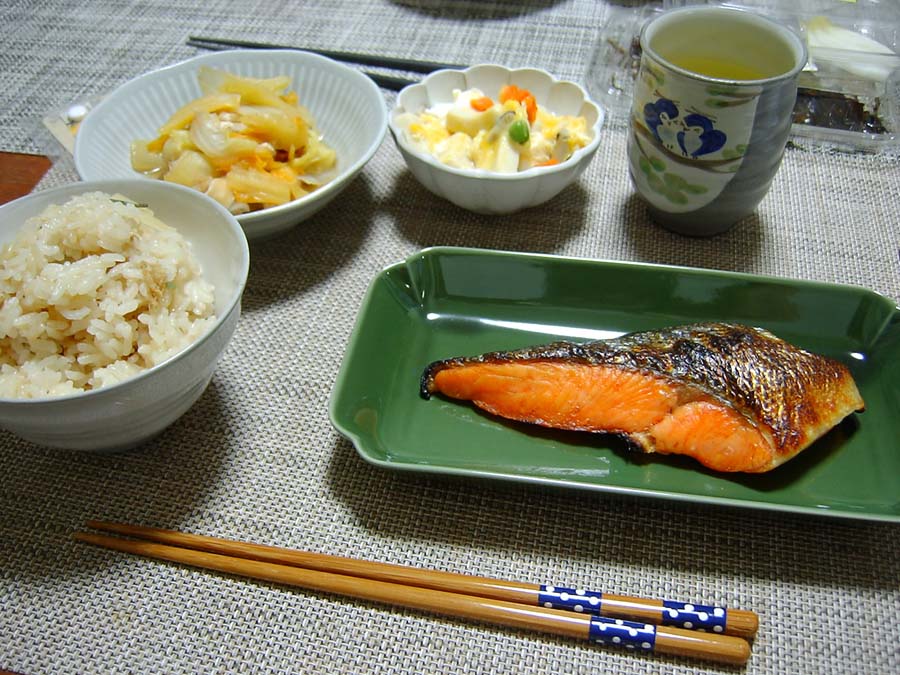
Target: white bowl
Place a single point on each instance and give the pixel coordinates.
(128, 413)
(486, 191)
(347, 107)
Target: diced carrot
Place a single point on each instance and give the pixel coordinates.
(530, 107)
(549, 162)
(481, 103)
(509, 91)
(523, 96)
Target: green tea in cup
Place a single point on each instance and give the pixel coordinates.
(711, 114)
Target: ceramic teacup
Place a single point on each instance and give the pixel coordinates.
(711, 114)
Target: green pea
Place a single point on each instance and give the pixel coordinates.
(518, 132)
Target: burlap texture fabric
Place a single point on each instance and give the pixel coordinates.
(257, 458)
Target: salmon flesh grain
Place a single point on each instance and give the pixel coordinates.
(734, 398)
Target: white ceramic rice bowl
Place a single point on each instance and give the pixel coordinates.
(486, 191)
(348, 109)
(131, 412)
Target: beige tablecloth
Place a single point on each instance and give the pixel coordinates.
(257, 458)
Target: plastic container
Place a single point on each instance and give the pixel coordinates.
(849, 96)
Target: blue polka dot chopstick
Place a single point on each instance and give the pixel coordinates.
(560, 611)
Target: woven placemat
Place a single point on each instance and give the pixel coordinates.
(257, 459)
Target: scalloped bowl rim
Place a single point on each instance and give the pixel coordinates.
(579, 155)
(336, 183)
(233, 300)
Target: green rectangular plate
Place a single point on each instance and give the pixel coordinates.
(445, 302)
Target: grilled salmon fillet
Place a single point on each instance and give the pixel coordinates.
(733, 397)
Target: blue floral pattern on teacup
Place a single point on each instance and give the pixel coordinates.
(692, 136)
(688, 138)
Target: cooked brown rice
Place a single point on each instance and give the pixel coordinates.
(93, 292)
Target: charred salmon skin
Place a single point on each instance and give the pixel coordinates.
(733, 397)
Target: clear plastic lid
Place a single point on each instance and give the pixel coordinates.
(849, 91)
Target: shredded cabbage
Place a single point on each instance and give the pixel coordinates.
(246, 143)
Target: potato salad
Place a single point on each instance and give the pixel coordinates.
(510, 134)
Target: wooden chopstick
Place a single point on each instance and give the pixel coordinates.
(281, 565)
(738, 622)
(387, 81)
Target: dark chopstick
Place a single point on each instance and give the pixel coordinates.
(350, 57)
(384, 81)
